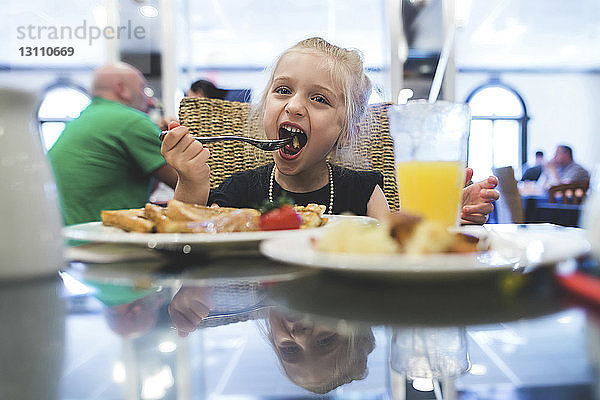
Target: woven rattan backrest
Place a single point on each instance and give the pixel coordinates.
(211, 117)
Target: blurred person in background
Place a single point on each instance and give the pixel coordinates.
(107, 158)
(563, 169)
(534, 173)
(204, 88)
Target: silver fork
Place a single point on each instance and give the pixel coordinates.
(263, 144)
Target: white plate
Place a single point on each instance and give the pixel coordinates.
(96, 232)
(513, 247)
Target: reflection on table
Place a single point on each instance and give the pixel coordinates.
(245, 327)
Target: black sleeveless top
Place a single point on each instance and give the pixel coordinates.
(352, 190)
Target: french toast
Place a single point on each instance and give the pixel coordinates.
(180, 217)
(164, 224)
(180, 211)
(131, 220)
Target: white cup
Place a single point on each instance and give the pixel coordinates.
(30, 221)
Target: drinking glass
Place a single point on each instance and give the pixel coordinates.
(430, 150)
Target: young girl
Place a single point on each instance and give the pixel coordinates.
(318, 92)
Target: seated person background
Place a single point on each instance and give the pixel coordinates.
(106, 158)
(204, 88)
(562, 169)
(534, 173)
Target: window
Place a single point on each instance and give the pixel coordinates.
(498, 129)
(61, 103)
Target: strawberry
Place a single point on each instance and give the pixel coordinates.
(284, 217)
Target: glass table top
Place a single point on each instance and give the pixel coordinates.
(246, 327)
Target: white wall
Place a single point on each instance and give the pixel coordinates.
(38, 80)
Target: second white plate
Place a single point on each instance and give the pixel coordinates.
(513, 247)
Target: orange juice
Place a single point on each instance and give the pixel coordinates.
(432, 189)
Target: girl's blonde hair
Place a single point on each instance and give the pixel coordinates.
(347, 70)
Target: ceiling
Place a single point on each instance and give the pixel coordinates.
(499, 33)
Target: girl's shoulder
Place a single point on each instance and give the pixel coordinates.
(362, 177)
(253, 174)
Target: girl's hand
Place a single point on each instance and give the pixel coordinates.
(188, 157)
(189, 307)
(477, 200)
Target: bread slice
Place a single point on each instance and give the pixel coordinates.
(193, 218)
(180, 211)
(132, 220)
(165, 224)
(242, 220)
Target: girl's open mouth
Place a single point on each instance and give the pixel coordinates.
(297, 143)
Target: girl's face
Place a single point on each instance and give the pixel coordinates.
(308, 351)
(303, 99)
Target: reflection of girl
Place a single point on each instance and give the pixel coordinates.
(316, 356)
(319, 357)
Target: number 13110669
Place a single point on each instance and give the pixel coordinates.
(48, 51)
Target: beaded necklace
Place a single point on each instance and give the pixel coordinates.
(331, 188)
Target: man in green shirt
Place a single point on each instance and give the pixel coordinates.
(106, 158)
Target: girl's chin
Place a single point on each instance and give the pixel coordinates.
(289, 157)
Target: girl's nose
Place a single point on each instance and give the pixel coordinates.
(295, 106)
(299, 328)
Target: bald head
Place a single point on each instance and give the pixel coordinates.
(123, 83)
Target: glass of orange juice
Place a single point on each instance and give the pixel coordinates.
(430, 150)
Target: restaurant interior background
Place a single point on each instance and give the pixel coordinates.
(530, 69)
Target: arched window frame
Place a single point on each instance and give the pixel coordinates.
(60, 83)
(521, 120)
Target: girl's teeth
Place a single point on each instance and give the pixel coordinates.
(292, 129)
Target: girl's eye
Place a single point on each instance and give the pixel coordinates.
(283, 90)
(321, 99)
(289, 350)
(327, 340)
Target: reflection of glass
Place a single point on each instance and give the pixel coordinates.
(431, 353)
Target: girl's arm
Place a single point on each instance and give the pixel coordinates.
(188, 157)
(377, 207)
